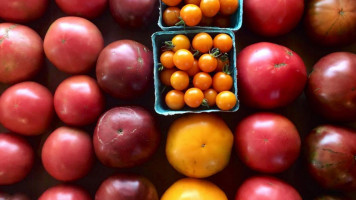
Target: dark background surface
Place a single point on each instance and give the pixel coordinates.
(157, 169)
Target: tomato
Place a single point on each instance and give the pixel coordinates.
(331, 86)
(195, 2)
(206, 21)
(68, 192)
(82, 8)
(222, 21)
(267, 142)
(175, 99)
(67, 154)
(199, 145)
(191, 14)
(21, 53)
(16, 196)
(183, 59)
(165, 76)
(228, 7)
(226, 100)
(202, 42)
(26, 108)
(202, 80)
(180, 42)
(283, 73)
(166, 59)
(193, 97)
(207, 63)
(179, 80)
(222, 82)
(267, 20)
(209, 8)
(16, 158)
(22, 11)
(210, 97)
(73, 44)
(331, 22)
(78, 100)
(171, 2)
(223, 42)
(194, 69)
(223, 64)
(197, 189)
(171, 15)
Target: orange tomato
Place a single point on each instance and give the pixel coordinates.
(199, 145)
(222, 82)
(191, 14)
(190, 188)
(223, 42)
(207, 63)
(206, 21)
(223, 62)
(183, 59)
(175, 99)
(193, 97)
(202, 42)
(228, 7)
(165, 76)
(171, 2)
(194, 69)
(195, 2)
(210, 8)
(166, 59)
(202, 80)
(171, 16)
(226, 100)
(222, 21)
(210, 96)
(180, 80)
(180, 42)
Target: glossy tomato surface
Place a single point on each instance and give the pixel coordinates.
(82, 8)
(22, 11)
(67, 192)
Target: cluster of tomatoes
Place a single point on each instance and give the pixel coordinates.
(199, 12)
(197, 72)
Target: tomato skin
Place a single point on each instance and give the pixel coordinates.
(207, 63)
(26, 108)
(73, 44)
(175, 99)
(194, 69)
(228, 7)
(165, 76)
(166, 59)
(180, 80)
(222, 82)
(202, 80)
(209, 8)
(22, 11)
(180, 42)
(82, 8)
(210, 96)
(331, 22)
(191, 14)
(193, 97)
(202, 42)
(171, 2)
(283, 73)
(21, 53)
(223, 42)
(171, 16)
(183, 59)
(70, 192)
(16, 158)
(226, 100)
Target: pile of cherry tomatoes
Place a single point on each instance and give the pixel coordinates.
(199, 12)
(196, 73)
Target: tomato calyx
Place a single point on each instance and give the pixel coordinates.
(205, 103)
(215, 52)
(181, 22)
(168, 45)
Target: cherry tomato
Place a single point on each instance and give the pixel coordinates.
(223, 62)
(222, 21)
(175, 99)
(171, 2)
(228, 7)
(210, 8)
(171, 16)
(194, 69)
(222, 82)
(226, 100)
(183, 59)
(202, 80)
(167, 59)
(202, 42)
(191, 14)
(193, 97)
(206, 21)
(195, 2)
(223, 42)
(165, 76)
(207, 63)
(210, 96)
(179, 80)
(180, 42)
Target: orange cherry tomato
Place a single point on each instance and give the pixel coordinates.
(207, 63)
(210, 8)
(191, 14)
(166, 59)
(193, 97)
(228, 7)
(195, 2)
(210, 96)
(171, 2)
(202, 80)
(180, 80)
(223, 42)
(222, 21)
(171, 16)
(202, 42)
(180, 42)
(165, 76)
(226, 100)
(175, 99)
(183, 59)
(222, 64)
(194, 69)
(222, 82)
(206, 21)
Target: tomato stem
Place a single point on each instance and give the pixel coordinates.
(205, 103)
(181, 22)
(215, 52)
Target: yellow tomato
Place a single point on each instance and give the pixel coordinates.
(199, 145)
(190, 188)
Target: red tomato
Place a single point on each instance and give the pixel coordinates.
(270, 75)
(67, 154)
(22, 10)
(21, 53)
(67, 192)
(73, 44)
(267, 142)
(26, 108)
(16, 196)
(82, 8)
(266, 188)
(267, 20)
(16, 158)
(331, 86)
(331, 22)
(78, 100)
